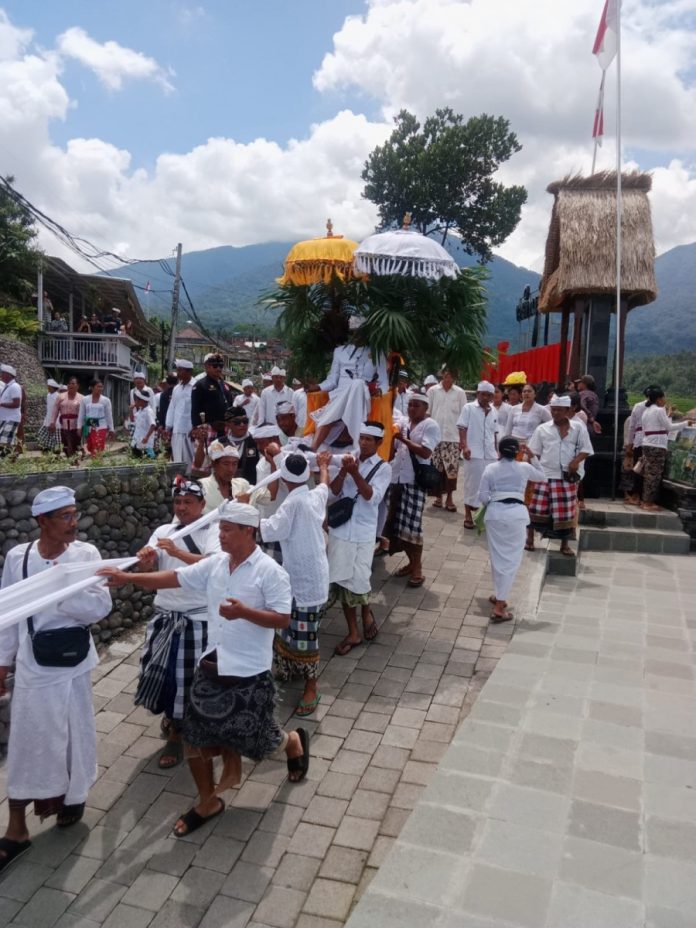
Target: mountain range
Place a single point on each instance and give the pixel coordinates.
(225, 284)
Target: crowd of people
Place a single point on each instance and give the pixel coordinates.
(284, 520)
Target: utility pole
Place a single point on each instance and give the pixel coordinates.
(175, 308)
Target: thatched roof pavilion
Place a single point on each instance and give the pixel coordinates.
(581, 244)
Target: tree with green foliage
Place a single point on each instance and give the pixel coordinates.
(19, 255)
(442, 173)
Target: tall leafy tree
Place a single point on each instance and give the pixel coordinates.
(18, 253)
(442, 173)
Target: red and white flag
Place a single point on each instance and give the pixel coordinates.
(606, 42)
(598, 127)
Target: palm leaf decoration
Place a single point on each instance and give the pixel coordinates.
(429, 323)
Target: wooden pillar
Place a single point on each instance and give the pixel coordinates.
(563, 362)
(576, 348)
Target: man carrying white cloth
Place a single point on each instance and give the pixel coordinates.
(478, 441)
(52, 750)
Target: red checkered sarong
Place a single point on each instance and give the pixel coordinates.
(553, 506)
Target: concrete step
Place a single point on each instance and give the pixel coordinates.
(631, 538)
(629, 517)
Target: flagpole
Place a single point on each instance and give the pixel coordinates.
(619, 212)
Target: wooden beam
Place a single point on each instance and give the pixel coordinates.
(563, 361)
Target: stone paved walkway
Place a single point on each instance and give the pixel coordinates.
(568, 798)
(282, 855)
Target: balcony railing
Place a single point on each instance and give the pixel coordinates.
(86, 351)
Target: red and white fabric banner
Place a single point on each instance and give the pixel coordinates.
(606, 41)
(598, 127)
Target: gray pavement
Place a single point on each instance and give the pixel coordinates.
(282, 855)
(568, 796)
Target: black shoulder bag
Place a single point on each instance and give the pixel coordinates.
(57, 647)
(425, 475)
(339, 513)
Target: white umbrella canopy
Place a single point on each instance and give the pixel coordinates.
(404, 252)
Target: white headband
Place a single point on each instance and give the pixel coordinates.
(376, 431)
(51, 499)
(217, 450)
(289, 476)
(247, 383)
(183, 363)
(277, 372)
(266, 431)
(562, 401)
(145, 397)
(284, 408)
(8, 369)
(239, 513)
(52, 383)
(485, 387)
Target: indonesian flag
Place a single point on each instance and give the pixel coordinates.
(598, 127)
(606, 42)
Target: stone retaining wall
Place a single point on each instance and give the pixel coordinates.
(119, 508)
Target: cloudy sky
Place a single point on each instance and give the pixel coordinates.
(140, 124)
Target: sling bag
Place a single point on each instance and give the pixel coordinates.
(57, 647)
(339, 513)
(425, 475)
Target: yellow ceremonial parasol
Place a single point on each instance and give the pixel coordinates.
(317, 260)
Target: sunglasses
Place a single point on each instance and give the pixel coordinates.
(215, 364)
(239, 421)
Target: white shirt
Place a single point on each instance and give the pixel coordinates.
(503, 413)
(656, 421)
(213, 496)
(554, 452)
(88, 606)
(207, 540)
(426, 433)
(243, 648)
(505, 479)
(179, 409)
(143, 420)
(362, 525)
(51, 400)
(481, 429)
(297, 525)
(269, 399)
(248, 403)
(100, 411)
(521, 424)
(401, 402)
(301, 408)
(12, 391)
(351, 362)
(445, 407)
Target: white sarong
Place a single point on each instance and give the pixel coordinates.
(472, 471)
(350, 404)
(506, 528)
(52, 749)
(182, 448)
(350, 563)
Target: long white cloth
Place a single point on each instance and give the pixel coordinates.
(350, 563)
(472, 471)
(505, 537)
(350, 404)
(182, 449)
(52, 749)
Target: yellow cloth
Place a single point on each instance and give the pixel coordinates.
(380, 411)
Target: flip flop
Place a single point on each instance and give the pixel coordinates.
(174, 750)
(371, 632)
(415, 582)
(451, 508)
(468, 524)
(13, 850)
(70, 815)
(497, 619)
(300, 764)
(437, 504)
(404, 571)
(307, 708)
(345, 647)
(194, 821)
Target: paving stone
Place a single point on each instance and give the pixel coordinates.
(312, 840)
(577, 907)
(358, 833)
(350, 762)
(323, 810)
(98, 899)
(177, 915)
(247, 882)
(524, 850)
(281, 818)
(606, 825)
(297, 872)
(602, 867)
(369, 804)
(23, 880)
(330, 899)
(343, 863)
(151, 890)
(73, 874)
(280, 907)
(44, 908)
(394, 821)
(219, 854)
(524, 902)
(266, 849)
(170, 855)
(440, 829)
(127, 916)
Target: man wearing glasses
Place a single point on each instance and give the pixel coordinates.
(211, 399)
(52, 751)
(237, 433)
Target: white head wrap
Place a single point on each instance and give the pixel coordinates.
(403, 375)
(265, 377)
(266, 431)
(8, 369)
(51, 499)
(217, 450)
(430, 380)
(561, 401)
(284, 408)
(140, 395)
(63, 388)
(140, 374)
(376, 431)
(184, 363)
(289, 476)
(417, 394)
(247, 383)
(239, 513)
(52, 383)
(277, 372)
(297, 382)
(485, 387)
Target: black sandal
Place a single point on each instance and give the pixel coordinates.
(12, 851)
(194, 821)
(70, 815)
(173, 750)
(300, 764)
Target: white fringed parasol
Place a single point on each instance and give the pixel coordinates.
(405, 253)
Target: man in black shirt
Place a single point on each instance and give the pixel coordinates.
(237, 431)
(211, 397)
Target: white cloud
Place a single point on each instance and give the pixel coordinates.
(111, 62)
(528, 61)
